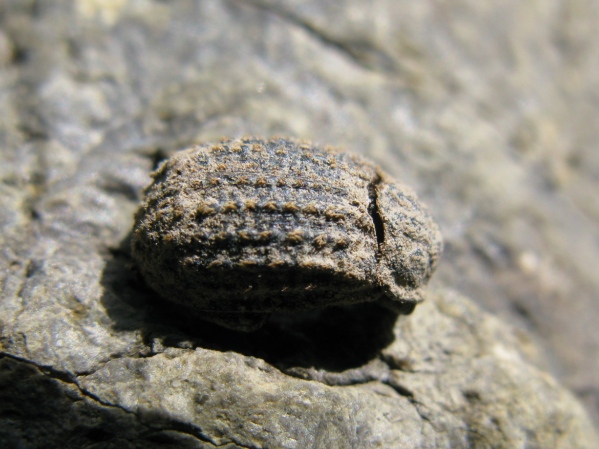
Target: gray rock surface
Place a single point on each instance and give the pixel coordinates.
(487, 110)
(452, 377)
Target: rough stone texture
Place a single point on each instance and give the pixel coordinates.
(487, 110)
(247, 227)
(452, 377)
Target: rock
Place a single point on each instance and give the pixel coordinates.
(453, 376)
(487, 111)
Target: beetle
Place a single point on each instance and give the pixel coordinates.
(237, 230)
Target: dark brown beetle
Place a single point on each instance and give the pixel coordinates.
(241, 229)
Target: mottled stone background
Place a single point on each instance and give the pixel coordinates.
(489, 110)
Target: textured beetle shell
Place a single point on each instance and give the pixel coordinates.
(244, 228)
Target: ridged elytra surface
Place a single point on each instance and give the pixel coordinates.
(244, 228)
